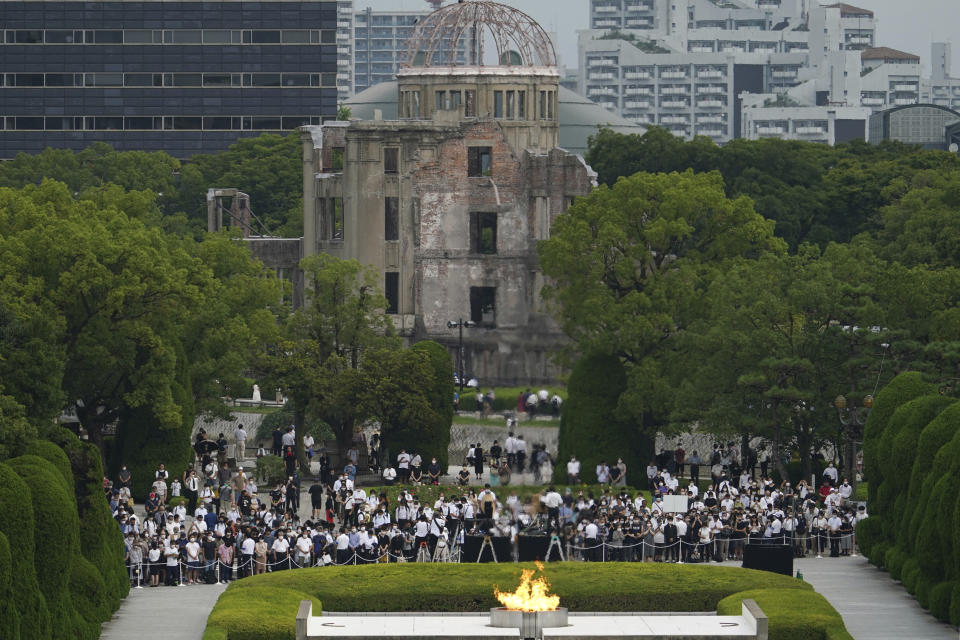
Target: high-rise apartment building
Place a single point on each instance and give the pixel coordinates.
(686, 65)
(941, 89)
(183, 77)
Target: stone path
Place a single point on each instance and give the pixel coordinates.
(163, 613)
(873, 606)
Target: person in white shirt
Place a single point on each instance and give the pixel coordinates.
(510, 448)
(240, 436)
(281, 549)
(192, 549)
(403, 466)
(289, 437)
(591, 533)
(831, 472)
(603, 473)
(573, 470)
(652, 474)
(833, 524)
(845, 490)
(304, 548)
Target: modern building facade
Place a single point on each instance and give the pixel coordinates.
(763, 117)
(182, 77)
(941, 88)
(930, 126)
(449, 200)
(687, 64)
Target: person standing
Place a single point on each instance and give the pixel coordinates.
(573, 470)
(478, 461)
(240, 449)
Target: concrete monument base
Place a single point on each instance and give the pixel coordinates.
(751, 624)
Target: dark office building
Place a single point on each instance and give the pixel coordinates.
(181, 77)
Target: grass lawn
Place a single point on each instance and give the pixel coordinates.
(264, 607)
(500, 422)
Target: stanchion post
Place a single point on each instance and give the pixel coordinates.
(180, 571)
(139, 573)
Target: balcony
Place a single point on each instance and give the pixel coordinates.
(602, 91)
(674, 91)
(606, 8)
(674, 104)
(600, 76)
(601, 62)
(344, 63)
(636, 104)
(712, 132)
(903, 101)
(711, 90)
(638, 91)
(710, 119)
(343, 24)
(343, 76)
(710, 104)
(674, 120)
(770, 131)
(873, 102)
(912, 88)
(640, 6)
(711, 74)
(792, 73)
(600, 24)
(811, 131)
(673, 75)
(639, 23)
(701, 49)
(637, 76)
(342, 35)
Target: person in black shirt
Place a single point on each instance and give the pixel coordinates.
(478, 461)
(316, 499)
(277, 447)
(433, 471)
(244, 503)
(495, 452)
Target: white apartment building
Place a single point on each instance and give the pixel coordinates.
(765, 116)
(940, 88)
(684, 64)
(889, 78)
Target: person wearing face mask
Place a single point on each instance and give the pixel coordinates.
(434, 472)
(192, 551)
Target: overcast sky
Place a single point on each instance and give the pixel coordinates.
(910, 25)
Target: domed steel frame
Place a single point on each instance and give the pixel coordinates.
(439, 35)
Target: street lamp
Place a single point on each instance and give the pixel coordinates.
(853, 419)
(460, 324)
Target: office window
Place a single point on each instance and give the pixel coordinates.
(511, 99)
(56, 36)
(391, 160)
(391, 219)
(478, 161)
(543, 105)
(522, 105)
(441, 97)
(26, 37)
(483, 232)
(108, 37)
(483, 306)
(498, 104)
(391, 290)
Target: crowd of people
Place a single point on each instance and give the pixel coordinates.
(215, 524)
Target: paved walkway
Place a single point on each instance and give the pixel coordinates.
(873, 606)
(163, 613)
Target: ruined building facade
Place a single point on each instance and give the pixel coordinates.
(448, 204)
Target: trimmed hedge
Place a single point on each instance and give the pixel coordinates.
(9, 617)
(56, 456)
(792, 616)
(100, 539)
(590, 427)
(17, 523)
(56, 538)
(264, 607)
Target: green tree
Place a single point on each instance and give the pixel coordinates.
(629, 264)
(593, 429)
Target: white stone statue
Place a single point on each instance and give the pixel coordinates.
(256, 393)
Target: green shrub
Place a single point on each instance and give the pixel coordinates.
(893, 561)
(923, 591)
(955, 605)
(17, 523)
(792, 614)
(271, 470)
(56, 456)
(55, 518)
(9, 617)
(868, 533)
(910, 575)
(100, 539)
(590, 427)
(250, 608)
(434, 437)
(899, 391)
(258, 613)
(940, 600)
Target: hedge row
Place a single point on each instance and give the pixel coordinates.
(912, 456)
(264, 607)
(63, 589)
